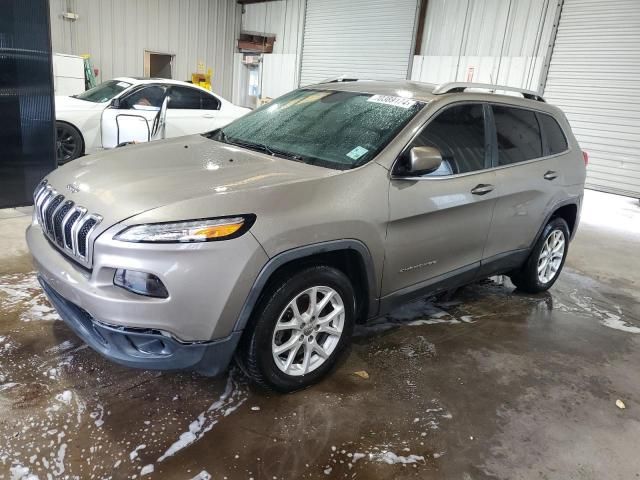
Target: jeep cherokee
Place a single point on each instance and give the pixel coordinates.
(269, 238)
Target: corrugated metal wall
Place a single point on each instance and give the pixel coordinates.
(492, 41)
(116, 32)
(593, 77)
(360, 38)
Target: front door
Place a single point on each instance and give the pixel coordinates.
(439, 222)
(131, 119)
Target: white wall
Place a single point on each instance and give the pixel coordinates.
(493, 41)
(116, 32)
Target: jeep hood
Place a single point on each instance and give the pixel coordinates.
(130, 180)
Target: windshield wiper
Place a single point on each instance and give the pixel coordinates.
(261, 147)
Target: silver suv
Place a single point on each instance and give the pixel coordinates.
(270, 238)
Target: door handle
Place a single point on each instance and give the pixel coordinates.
(550, 175)
(482, 189)
(208, 115)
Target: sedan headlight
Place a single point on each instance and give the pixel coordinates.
(205, 230)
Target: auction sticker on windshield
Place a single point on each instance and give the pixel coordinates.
(391, 100)
(357, 152)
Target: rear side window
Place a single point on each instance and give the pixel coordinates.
(518, 135)
(184, 98)
(554, 140)
(458, 133)
(209, 102)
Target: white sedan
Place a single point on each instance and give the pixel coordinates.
(127, 109)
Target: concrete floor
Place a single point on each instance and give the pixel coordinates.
(490, 384)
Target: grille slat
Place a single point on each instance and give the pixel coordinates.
(67, 225)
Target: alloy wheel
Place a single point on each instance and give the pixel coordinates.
(308, 330)
(551, 256)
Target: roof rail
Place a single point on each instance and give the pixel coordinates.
(454, 87)
(341, 78)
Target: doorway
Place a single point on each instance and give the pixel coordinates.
(158, 65)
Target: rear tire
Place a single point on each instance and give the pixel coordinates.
(543, 267)
(69, 143)
(290, 345)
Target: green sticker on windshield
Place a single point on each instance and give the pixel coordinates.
(357, 152)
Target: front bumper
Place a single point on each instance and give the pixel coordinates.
(140, 348)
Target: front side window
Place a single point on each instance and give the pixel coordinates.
(554, 138)
(518, 135)
(458, 133)
(334, 129)
(146, 98)
(103, 92)
(209, 102)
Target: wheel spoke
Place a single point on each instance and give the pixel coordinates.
(330, 316)
(319, 350)
(288, 345)
(292, 355)
(313, 298)
(330, 330)
(323, 303)
(290, 325)
(306, 358)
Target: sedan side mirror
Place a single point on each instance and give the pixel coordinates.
(115, 103)
(423, 160)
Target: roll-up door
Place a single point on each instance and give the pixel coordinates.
(357, 38)
(594, 77)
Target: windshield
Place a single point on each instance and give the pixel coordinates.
(334, 129)
(104, 92)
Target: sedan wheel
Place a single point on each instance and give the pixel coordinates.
(68, 143)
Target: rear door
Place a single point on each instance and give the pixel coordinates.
(439, 222)
(190, 111)
(529, 176)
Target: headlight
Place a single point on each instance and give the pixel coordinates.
(206, 230)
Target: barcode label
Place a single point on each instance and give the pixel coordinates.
(391, 100)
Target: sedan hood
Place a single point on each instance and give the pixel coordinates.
(66, 104)
(130, 180)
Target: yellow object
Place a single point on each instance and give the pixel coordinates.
(202, 79)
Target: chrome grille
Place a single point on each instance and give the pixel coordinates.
(66, 224)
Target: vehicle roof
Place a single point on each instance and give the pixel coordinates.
(422, 91)
(401, 88)
(166, 81)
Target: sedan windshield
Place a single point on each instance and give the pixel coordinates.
(103, 92)
(334, 129)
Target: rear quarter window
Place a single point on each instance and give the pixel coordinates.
(554, 140)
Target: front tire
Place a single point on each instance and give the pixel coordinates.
(546, 260)
(300, 330)
(69, 143)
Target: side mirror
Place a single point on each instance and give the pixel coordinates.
(423, 160)
(115, 103)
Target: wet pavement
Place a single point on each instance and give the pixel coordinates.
(488, 383)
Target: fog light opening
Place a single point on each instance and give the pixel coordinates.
(140, 283)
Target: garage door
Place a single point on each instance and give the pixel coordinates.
(594, 77)
(359, 38)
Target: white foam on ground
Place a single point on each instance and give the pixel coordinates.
(21, 291)
(387, 457)
(146, 470)
(203, 475)
(230, 400)
(614, 321)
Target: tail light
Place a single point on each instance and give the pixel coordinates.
(585, 157)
